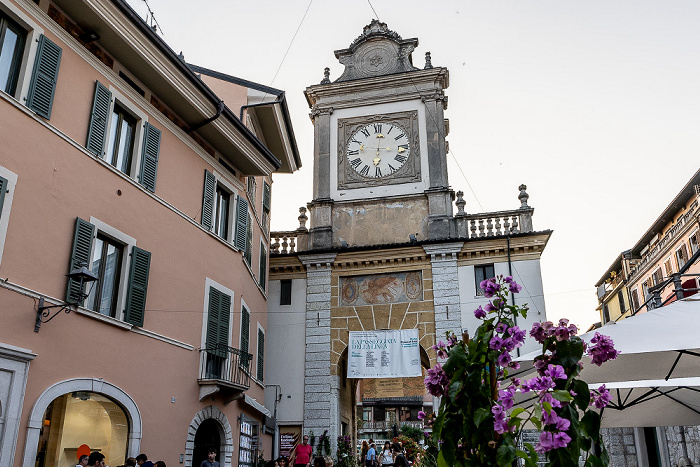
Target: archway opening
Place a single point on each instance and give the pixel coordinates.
(207, 438)
(78, 418)
(380, 409)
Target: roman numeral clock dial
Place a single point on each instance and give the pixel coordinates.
(378, 150)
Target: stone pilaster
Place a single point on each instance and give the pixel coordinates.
(448, 313)
(318, 397)
(322, 151)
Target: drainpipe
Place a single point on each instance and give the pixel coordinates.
(219, 109)
(275, 448)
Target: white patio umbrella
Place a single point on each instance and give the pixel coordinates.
(657, 345)
(652, 403)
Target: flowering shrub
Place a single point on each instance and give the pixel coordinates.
(324, 445)
(344, 456)
(408, 444)
(479, 423)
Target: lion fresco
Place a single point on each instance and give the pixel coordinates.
(383, 289)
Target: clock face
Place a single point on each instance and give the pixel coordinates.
(378, 150)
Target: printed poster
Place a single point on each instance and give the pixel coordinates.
(384, 354)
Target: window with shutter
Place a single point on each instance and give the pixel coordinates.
(3, 190)
(261, 354)
(97, 130)
(286, 292)
(635, 300)
(266, 208)
(12, 39)
(263, 266)
(80, 253)
(44, 77)
(245, 339)
(621, 301)
(249, 242)
(241, 223)
(218, 323)
(208, 200)
(137, 286)
(149, 157)
(681, 256)
(694, 242)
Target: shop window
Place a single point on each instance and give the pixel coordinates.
(481, 273)
(82, 418)
(248, 447)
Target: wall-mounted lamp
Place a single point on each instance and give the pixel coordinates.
(82, 275)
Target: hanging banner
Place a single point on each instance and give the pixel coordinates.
(384, 354)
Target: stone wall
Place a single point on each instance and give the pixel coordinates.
(621, 445)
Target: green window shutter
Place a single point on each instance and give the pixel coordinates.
(266, 196)
(249, 242)
(97, 131)
(80, 253)
(263, 266)
(208, 200)
(3, 190)
(218, 322)
(245, 330)
(44, 77)
(241, 223)
(261, 354)
(138, 286)
(149, 156)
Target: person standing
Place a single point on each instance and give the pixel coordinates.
(96, 459)
(301, 456)
(82, 462)
(386, 458)
(210, 461)
(371, 458)
(142, 460)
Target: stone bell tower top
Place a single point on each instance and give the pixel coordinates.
(378, 51)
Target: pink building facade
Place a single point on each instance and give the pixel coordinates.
(116, 156)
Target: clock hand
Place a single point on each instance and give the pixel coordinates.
(376, 161)
(362, 147)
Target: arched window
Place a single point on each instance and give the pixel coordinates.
(82, 418)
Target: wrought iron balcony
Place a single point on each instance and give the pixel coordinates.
(225, 370)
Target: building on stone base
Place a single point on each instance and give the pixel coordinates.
(385, 249)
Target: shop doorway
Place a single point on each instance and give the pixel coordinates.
(207, 437)
(78, 418)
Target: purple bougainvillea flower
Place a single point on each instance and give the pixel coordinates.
(602, 349)
(514, 287)
(504, 359)
(480, 313)
(501, 328)
(436, 381)
(441, 349)
(555, 372)
(496, 343)
(421, 415)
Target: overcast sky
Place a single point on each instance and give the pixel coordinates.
(594, 105)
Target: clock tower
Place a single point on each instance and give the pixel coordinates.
(380, 171)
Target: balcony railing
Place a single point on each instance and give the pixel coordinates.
(225, 366)
(655, 252)
(384, 425)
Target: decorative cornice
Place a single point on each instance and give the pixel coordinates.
(443, 251)
(323, 260)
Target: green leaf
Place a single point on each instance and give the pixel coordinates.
(505, 455)
(583, 393)
(516, 411)
(547, 407)
(562, 395)
(480, 415)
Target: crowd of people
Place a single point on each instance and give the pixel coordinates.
(97, 459)
(390, 455)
